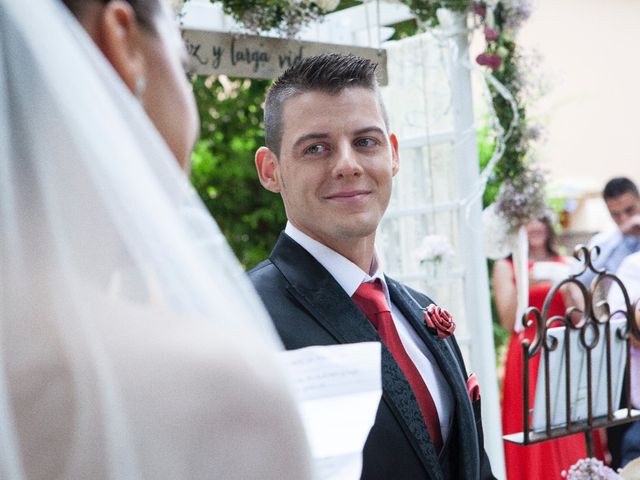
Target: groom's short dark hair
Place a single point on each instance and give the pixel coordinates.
(327, 73)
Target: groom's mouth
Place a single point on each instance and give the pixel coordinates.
(349, 196)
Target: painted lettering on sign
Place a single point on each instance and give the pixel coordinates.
(216, 52)
(287, 59)
(194, 51)
(253, 56)
(250, 56)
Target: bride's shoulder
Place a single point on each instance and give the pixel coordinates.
(216, 390)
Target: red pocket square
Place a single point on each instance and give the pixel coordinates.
(473, 388)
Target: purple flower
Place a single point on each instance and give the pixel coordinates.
(482, 59)
(494, 61)
(516, 13)
(490, 34)
(479, 8)
(491, 60)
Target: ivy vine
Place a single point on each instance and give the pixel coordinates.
(499, 23)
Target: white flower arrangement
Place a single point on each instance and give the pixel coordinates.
(434, 248)
(286, 17)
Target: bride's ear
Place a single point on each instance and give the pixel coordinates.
(119, 37)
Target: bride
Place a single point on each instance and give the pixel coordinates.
(131, 345)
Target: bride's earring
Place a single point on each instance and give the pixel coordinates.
(139, 88)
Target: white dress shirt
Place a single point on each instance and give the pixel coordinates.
(629, 274)
(614, 248)
(349, 276)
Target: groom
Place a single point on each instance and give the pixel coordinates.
(330, 156)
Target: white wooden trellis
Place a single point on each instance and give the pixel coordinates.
(429, 103)
(430, 108)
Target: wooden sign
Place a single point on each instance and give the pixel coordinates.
(253, 56)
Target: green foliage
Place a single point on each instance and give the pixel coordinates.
(348, 4)
(557, 205)
(486, 147)
(512, 164)
(515, 161)
(404, 29)
(223, 170)
(501, 335)
(426, 10)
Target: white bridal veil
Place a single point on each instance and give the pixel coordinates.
(131, 344)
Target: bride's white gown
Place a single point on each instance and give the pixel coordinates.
(131, 345)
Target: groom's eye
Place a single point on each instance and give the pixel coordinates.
(366, 142)
(314, 149)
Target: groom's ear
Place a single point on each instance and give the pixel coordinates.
(267, 166)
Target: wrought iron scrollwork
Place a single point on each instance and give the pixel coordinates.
(591, 321)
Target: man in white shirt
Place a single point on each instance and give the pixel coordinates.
(330, 156)
(623, 202)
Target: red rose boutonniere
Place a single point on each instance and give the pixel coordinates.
(438, 321)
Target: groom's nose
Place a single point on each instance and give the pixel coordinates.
(347, 161)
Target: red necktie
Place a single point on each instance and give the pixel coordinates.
(371, 300)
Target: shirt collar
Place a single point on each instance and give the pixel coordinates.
(348, 275)
(630, 241)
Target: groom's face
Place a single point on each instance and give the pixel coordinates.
(336, 165)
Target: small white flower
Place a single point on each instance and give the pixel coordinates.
(434, 248)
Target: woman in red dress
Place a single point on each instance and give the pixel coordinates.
(547, 459)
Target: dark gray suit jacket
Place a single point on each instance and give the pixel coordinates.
(309, 307)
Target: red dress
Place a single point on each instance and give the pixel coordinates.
(542, 460)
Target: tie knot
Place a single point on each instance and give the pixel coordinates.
(371, 299)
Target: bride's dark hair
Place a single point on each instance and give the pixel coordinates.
(145, 10)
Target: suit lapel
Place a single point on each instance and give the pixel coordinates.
(452, 371)
(312, 286)
(315, 289)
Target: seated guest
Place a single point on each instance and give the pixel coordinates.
(623, 202)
